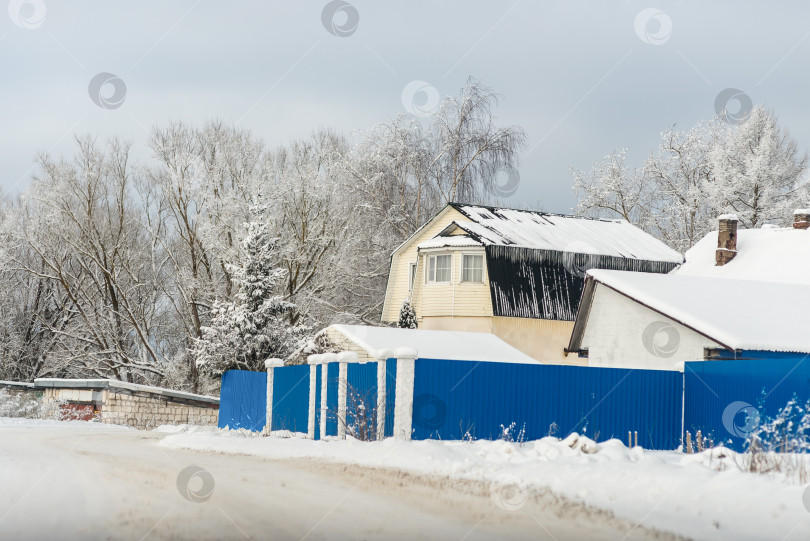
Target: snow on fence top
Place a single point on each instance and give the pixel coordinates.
(767, 254)
(451, 345)
(541, 230)
(738, 314)
(111, 384)
(20, 384)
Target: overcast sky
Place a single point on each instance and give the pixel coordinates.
(582, 78)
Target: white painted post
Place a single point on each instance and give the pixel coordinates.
(403, 405)
(314, 361)
(343, 358)
(313, 381)
(341, 417)
(270, 364)
(324, 409)
(381, 399)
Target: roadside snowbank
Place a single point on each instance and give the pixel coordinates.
(702, 496)
(20, 422)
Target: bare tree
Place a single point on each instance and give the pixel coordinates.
(86, 233)
(467, 149)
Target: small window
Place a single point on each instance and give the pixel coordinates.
(472, 268)
(438, 269)
(411, 276)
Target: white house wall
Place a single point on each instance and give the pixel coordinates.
(621, 333)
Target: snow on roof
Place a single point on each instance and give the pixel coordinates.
(738, 314)
(767, 254)
(563, 233)
(732, 217)
(452, 345)
(453, 240)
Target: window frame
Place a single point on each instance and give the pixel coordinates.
(412, 275)
(434, 257)
(461, 276)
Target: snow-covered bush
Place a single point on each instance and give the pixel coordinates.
(361, 417)
(780, 444)
(508, 433)
(20, 405)
(787, 432)
(407, 315)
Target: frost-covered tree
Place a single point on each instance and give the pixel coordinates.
(80, 231)
(753, 169)
(408, 168)
(407, 316)
(466, 147)
(110, 268)
(613, 189)
(254, 326)
(756, 172)
(314, 218)
(679, 213)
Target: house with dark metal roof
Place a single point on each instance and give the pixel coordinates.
(514, 273)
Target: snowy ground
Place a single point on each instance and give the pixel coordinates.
(89, 481)
(701, 496)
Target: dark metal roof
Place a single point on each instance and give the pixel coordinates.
(548, 284)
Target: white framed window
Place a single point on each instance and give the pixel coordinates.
(439, 267)
(411, 276)
(472, 268)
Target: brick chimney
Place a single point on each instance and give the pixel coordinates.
(726, 239)
(801, 218)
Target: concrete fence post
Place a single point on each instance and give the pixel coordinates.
(314, 362)
(313, 384)
(324, 396)
(403, 404)
(381, 373)
(270, 365)
(343, 358)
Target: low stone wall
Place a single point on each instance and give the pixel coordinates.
(147, 412)
(114, 402)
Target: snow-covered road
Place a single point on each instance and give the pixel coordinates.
(84, 481)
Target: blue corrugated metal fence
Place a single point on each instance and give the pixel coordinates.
(727, 400)
(457, 399)
(291, 398)
(243, 400)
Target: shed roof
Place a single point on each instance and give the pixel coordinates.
(451, 345)
(771, 254)
(576, 234)
(738, 314)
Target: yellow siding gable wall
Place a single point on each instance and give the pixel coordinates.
(456, 299)
(397, 289)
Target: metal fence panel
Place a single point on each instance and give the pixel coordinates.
(243, 400)
(390, 395)
(458, 399)
(332, 376)
(361, 400)
(727, 400)
(291, 398)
